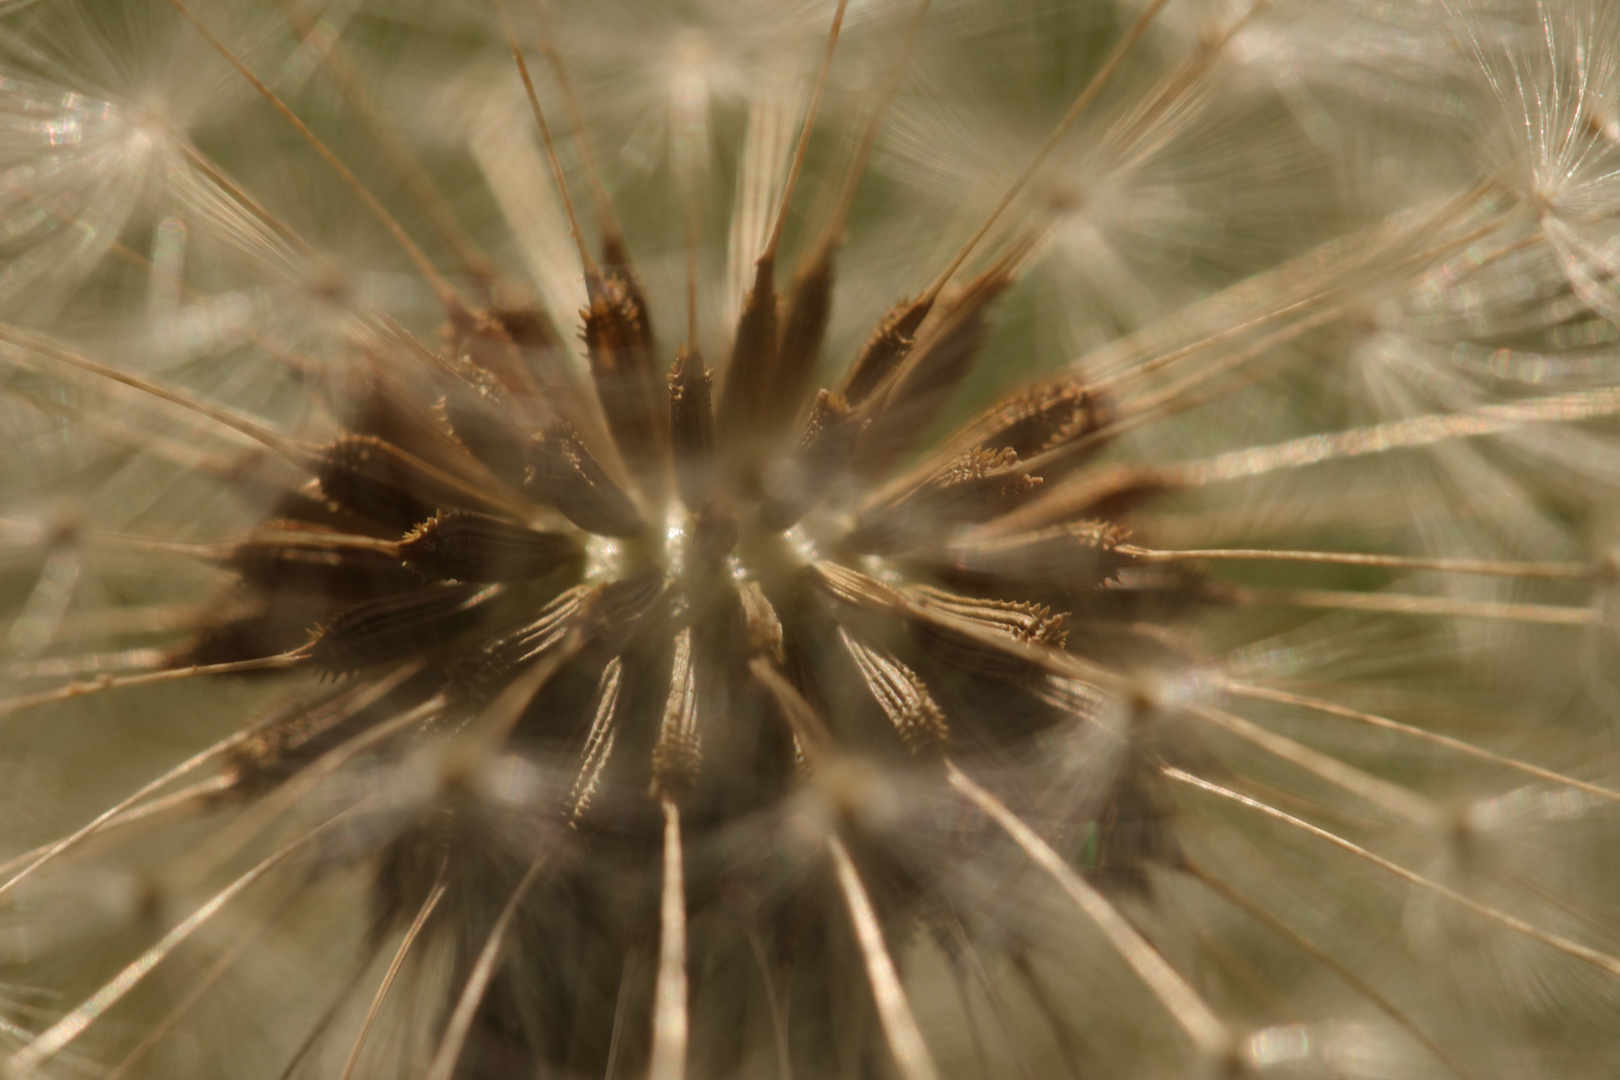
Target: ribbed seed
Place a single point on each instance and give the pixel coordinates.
(801, 480)
(1040, 417)
(377, 480)
(484, 669)
(804, 326)
(465, 546)
(753, 356)
(1079, 555)
(691, 427)
(883, 351)
(394, 627)
(292, 556)
(565, 474)
(678, 754)
(479, 413)
(904, 407)
(618, 343)
(900, 693)
(972, 488)
(1021, 622)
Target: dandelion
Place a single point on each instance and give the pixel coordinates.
(814, 540)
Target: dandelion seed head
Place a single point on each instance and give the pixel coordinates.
(815, 540)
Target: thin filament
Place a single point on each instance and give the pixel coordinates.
(874, 126)
(804, 134)
(1411, 433)
(442, 289)
(1090, 91)
(1266, 694)
(224, 417)
(576, 120)
(1491, 567)
(455, 1032)
(193, 995)
(545, 137)
(670, 1024)
(1178, 997)
(439, 214)
(1252, 908)
(1600, 960)
(899, 1025)
(1392, 798)
(65, 1030)
(1440, 606)
(392, 973)
(120, 682)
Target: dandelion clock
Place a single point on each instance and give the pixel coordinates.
(810, 539)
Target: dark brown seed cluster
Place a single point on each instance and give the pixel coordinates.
(689, 607)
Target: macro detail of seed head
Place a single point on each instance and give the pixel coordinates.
(851, 538)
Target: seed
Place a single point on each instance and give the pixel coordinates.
(462, 545)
